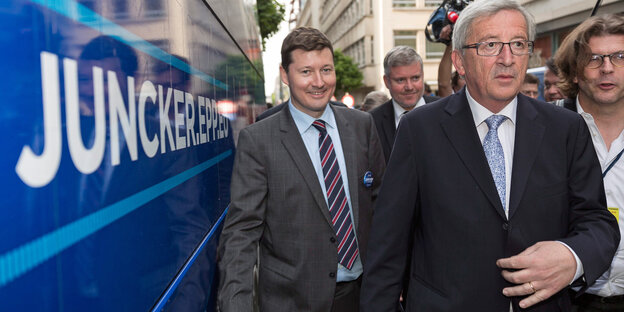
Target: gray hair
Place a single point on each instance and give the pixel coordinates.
(400, 56)
(374, 99)
(485, 8)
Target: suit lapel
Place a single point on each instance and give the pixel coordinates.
(291, 139)
(462, 134)
(529, 135)
(389, 127)
(348, 142)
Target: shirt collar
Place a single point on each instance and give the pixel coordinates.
(579, 109)
(398, 110)
(480, 113)
(304, 121)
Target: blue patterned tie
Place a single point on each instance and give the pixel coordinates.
(337, 199)
(494, 154)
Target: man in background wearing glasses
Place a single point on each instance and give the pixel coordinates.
(530, 86)
(503, 192)
(591, 62)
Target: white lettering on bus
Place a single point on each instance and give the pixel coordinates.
(39, 170)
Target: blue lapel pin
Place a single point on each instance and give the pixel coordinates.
(368, 179)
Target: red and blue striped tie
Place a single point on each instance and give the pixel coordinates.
(337, 199)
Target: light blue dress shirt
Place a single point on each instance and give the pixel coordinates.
(310, 136)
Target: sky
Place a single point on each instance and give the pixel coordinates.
(271, 56)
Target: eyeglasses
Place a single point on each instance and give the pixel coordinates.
(530, 93)
(494, 48)
(596, 60)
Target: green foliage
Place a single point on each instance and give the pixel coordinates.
(270, 15)
(348, 75)
(237, 72)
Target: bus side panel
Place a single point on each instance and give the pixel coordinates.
(118, 126)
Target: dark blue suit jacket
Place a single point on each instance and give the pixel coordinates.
(384, 121)
(438, 183)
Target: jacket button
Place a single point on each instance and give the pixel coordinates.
(332, 239)
(332, 274)
(506, 226)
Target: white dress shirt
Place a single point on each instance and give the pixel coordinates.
(398, 110)
(611, 283)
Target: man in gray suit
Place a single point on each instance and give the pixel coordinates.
(303, 188)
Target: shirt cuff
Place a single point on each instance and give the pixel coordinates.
(579, 264)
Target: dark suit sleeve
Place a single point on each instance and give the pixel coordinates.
(594, 233)
(392, 220)
(243, 227)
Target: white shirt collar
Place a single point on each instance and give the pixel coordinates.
(398, 110)
(304, 121)
(480, 113)
(579, 109)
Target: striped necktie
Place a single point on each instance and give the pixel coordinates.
(337, 199)
(494, 154)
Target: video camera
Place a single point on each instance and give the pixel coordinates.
(446, 14)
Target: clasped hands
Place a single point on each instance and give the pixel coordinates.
(539, 272)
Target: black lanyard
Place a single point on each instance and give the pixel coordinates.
(612, 163)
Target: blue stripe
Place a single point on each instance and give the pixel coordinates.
(22, 259)
(86, 16)
(176, 281)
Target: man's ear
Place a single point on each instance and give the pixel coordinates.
(458, 62)
(386, 80)
(283, 75)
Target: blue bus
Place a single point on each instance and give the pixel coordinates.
(118, 126)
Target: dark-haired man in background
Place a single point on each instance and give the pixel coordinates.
(552, 92)
(530, 87)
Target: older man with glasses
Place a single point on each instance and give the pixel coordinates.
(495, 197)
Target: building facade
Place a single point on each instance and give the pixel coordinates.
(556, 19)
(366, 29)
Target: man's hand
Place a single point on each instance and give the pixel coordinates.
(541, 270)
(445, 33)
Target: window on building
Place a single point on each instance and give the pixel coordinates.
(403, 3)
(356, 52)
(434, 49)
(154, 5)
(405, 37)
(433, 3)
(120, 9)
(372, 49)
(120, 6)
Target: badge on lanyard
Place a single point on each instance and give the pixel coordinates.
(615, 212)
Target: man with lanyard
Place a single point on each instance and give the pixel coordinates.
(591, 61)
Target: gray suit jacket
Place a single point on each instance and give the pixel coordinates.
(277, 202)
